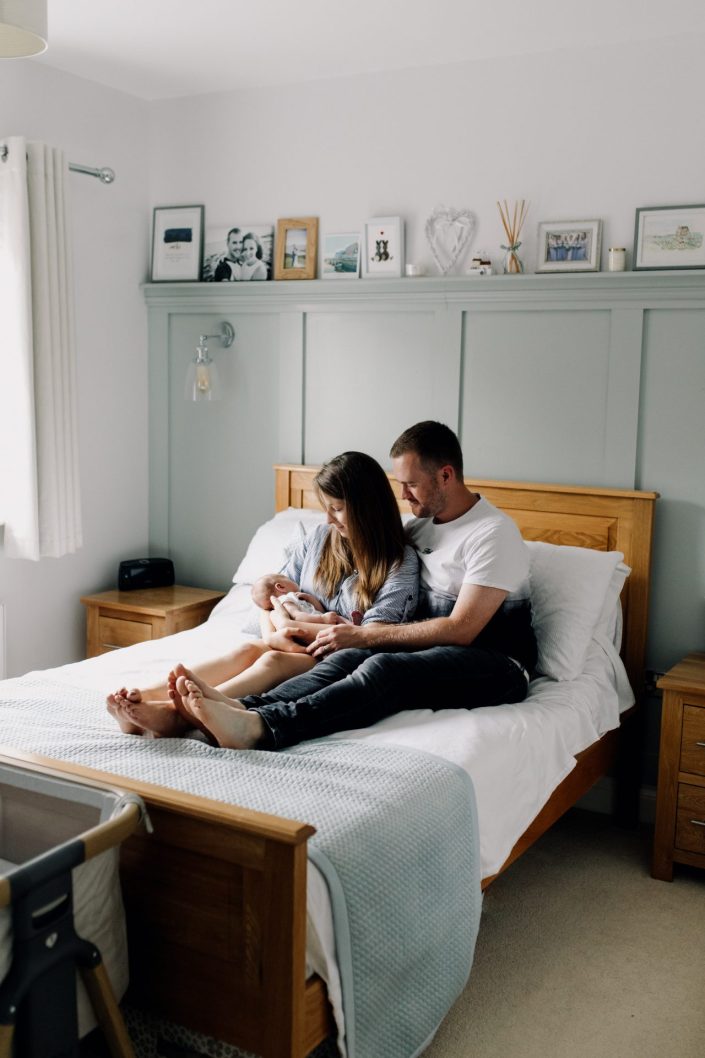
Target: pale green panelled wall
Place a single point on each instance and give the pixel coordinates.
(594, 379)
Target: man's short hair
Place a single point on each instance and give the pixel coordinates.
(434, 443)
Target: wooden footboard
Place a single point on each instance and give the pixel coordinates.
(216, 909)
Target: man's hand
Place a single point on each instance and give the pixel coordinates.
(286, 639)
(336, 637)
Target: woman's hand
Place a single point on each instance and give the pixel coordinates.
(286, 639)
(278, 614)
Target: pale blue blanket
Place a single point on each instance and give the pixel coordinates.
(396, 839)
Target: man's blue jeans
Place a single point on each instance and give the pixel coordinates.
(355, 688)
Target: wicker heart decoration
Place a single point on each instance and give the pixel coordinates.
(449, 232)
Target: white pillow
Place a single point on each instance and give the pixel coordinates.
(572, 589)
(266, 552)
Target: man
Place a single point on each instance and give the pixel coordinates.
(471, 645)
(228, 268)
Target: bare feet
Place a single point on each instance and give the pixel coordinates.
(137, 716)
(180, 673)
(229, 723)
(114, 704)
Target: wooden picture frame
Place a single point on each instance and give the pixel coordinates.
(177, 244)
(669, 237)
(296, 251)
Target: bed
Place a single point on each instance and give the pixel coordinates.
(238, 911)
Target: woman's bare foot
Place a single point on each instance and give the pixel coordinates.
(160, 719)
(116, 709)
(230, 724)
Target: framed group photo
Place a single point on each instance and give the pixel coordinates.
(383, 248)
(297, 248)
(177, 244)
(238, 252)
(669, 237)
(569, 246)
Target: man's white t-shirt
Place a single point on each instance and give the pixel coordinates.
(483, 546)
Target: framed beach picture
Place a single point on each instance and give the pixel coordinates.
(569, 246)
(177, 243)
(234, 253)
(341, 256)
(383, 248)
(297, 248)
(669, 237)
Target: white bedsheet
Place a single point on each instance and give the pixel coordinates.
(516, 755)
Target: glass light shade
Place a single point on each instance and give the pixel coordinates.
(23, 28)
(202, 379)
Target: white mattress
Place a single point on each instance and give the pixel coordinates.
(516, 755)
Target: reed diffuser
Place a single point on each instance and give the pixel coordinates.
(512, 227)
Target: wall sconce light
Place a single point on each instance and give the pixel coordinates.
(202, 379)
(23, 28)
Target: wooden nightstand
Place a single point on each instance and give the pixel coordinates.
(121, 618)
(680, 804)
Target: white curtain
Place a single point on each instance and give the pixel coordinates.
(39, 480)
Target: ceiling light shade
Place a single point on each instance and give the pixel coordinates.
(23, 28)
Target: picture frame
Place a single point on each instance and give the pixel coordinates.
(383, 248)
(296, 248)
(177, 244)
(671, 237)
(234, 253)
(341, 255)
(569, 246)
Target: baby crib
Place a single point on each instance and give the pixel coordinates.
(59, 843)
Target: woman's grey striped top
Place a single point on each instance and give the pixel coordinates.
(395, 601)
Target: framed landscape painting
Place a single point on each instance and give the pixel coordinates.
(669, 237)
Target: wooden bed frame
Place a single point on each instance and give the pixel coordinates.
(216, 896)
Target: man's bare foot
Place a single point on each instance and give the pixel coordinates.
(180, 672)
(230, 724)
(115, 708)
(160, 719)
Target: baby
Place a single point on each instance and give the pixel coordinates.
(299, 605)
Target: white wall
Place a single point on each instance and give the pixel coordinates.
(581, 134)
(95, 126)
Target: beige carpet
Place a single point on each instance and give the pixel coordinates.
(581, 954)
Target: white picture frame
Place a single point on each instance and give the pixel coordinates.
(569, 246)
(177, 244)
(383, 248)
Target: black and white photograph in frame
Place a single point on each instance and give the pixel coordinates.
(237, 253)
(383, 242)
(341, 255)
(177, 244)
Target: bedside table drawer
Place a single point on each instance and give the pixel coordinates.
(693, 740)
(116, 632)
(690, 818)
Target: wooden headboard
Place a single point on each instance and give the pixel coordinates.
(603, 519)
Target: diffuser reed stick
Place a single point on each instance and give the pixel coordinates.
(512, 229)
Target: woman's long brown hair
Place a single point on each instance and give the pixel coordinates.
(375, 541)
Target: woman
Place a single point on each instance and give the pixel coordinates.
(252, 265)
(357, 564)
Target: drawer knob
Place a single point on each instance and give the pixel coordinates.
(698, 822)
(700, 744)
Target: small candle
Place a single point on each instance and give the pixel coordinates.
(414, 270)
(617, 259)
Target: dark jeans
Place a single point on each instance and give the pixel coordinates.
(356, 688)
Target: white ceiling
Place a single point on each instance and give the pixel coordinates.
(157, 49)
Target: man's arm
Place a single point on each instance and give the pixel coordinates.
(474, 607)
